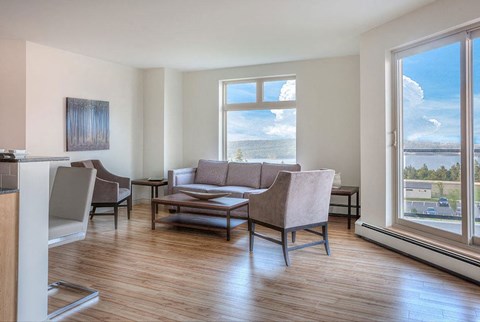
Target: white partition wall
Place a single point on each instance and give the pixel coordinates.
(33, 179)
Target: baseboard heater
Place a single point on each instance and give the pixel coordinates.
(416, 242)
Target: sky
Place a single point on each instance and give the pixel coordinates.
(431, 94)
(261, 124)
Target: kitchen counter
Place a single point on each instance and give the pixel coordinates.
(29, 158)
(4, 191)
(30, 176)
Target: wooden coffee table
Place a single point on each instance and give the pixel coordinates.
(200, 221)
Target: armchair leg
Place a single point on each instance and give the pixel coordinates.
(115, 215)
(285, 247)
(129, 206)
(325, 238)
(92, 213)
(252, 231)
(294, 236)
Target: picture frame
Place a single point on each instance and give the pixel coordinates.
(87, 125)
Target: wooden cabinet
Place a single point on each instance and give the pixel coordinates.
(8, 255)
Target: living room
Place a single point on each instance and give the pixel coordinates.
(165, 99)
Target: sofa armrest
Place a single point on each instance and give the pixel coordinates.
(180, 176)
(105, 191)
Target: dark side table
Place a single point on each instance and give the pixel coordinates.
(348, 191)
(153, 184)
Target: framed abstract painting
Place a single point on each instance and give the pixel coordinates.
(88, 126)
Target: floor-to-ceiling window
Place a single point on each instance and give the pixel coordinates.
(438, 130)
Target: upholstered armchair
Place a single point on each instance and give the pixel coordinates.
(110, 190)
(296, 201)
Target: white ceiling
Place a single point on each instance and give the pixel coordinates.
(199, 34)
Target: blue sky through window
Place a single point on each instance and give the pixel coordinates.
(431, 95)
(431, 98)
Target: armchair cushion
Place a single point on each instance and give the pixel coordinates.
(211, 172)
(271, 170)
(244, 174)
(248, 193)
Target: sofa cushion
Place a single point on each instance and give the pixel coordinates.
(247, 194)
(212, 172)
(235, 191)
(193, 187)
(244, 174)
(270, 171)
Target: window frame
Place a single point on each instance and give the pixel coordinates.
(259, 104)
(464, 36)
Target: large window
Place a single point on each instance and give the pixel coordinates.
(438, 130)
(259, 120)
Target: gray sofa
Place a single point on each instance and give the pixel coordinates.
(240, 179)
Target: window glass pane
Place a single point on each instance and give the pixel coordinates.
(281, 90)
(432, 138)
(476, 129)
(241, 93)
(262, 136)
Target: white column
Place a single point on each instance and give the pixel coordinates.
(33, 179)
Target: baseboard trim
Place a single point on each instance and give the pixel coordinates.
(443, 259)
(425, 245)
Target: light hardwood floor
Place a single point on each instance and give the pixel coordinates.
(185, 274)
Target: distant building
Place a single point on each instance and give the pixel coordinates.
(418, 190)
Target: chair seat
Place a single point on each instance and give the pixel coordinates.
(61, 227)
(123, 193)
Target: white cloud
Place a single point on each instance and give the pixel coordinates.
(430, 126)
(281, 130)
(412, 92)
(278, 114)
(288, 91)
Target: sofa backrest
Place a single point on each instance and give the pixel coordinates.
(244, 174)
(255, 175)
(271, 170)
(212, 172)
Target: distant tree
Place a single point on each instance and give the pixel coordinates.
(239, 156)
(423, 173)
(410, 173)
(440, 188)
(456, 172)
(441, 174)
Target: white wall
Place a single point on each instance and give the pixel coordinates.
(154, 101)
(377, 152)
(52, 75)
(12, 94)
(328, 127)
(173, 120)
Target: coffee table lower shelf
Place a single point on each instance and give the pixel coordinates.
(200, 221)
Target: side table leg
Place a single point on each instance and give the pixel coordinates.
(349, 210)
(358, 204)
(228, 225)
(156, 196)
(153, 215)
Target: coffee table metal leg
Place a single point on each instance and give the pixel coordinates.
(154, 205)
(228, 225)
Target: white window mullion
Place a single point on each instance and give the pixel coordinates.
(467, 153)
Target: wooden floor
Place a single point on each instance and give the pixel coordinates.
(185, 274)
